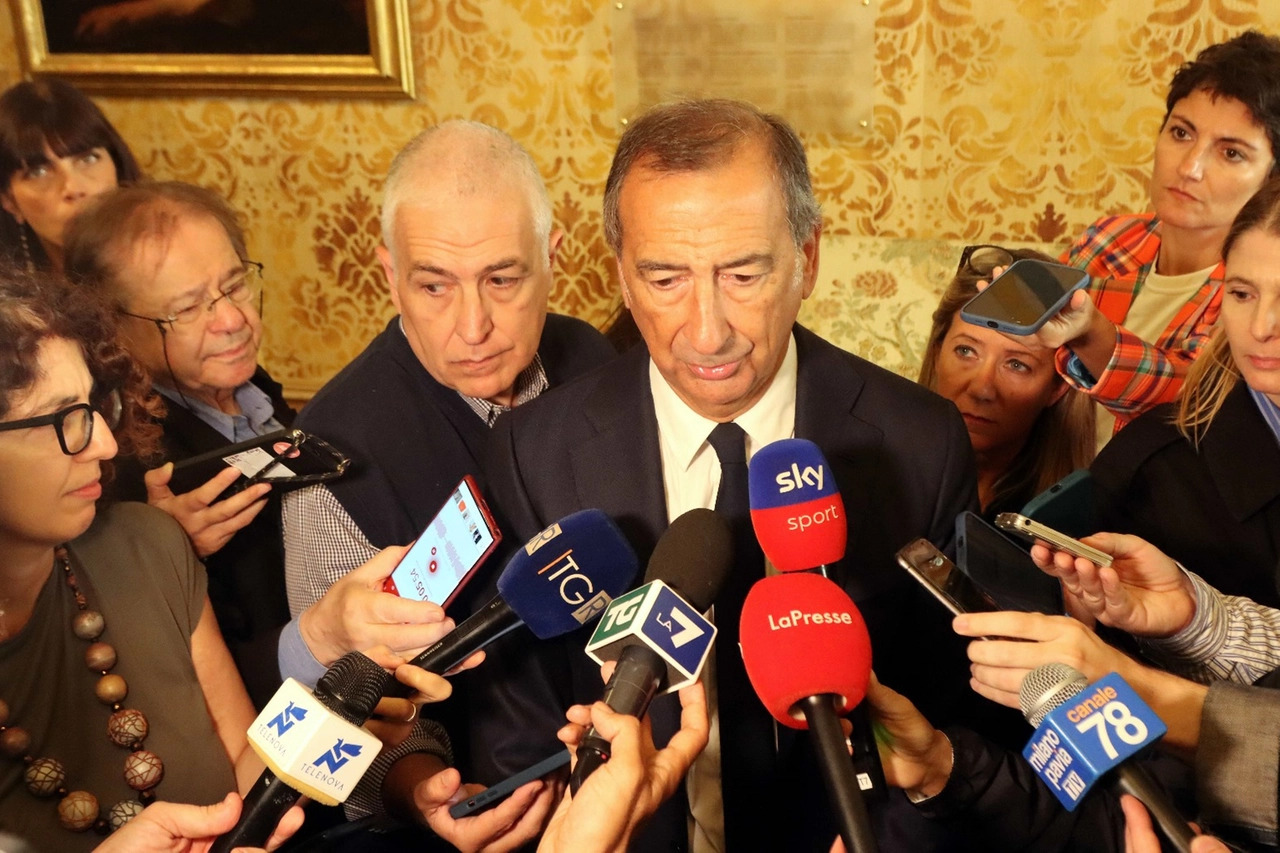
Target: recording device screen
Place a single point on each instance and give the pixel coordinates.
(1003, 569)
(453, 545)
(1024, 297)
(943, 580)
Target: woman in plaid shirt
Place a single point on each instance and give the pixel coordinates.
(1157, 277)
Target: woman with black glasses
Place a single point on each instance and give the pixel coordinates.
(115, 685)
(1028, 429)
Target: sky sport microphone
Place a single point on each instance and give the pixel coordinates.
(561, 579)
(808, 655)
(800, 522)
(312, 744)
(1084, 731)
(796, 509)
(659, 639)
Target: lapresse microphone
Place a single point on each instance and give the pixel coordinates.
(560, 580)
(808, 655)
(1083, 731)
(800, 522)
(796, 509)
(659, 638)
(312, 744)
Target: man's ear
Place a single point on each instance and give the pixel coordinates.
(389, 272)
(810, 251)
(553, 246)
(622, 283)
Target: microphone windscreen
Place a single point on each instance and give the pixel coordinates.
(1046, 687)
(693, 556)
(566, 575)
(796, 509)
(802, 636)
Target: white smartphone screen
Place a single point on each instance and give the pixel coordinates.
(452, 546)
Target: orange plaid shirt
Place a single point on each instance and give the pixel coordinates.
(1119, 252)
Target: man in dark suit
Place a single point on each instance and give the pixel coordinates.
(710, 211)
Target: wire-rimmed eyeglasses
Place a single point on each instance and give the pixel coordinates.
(74, 424)
(240, 289)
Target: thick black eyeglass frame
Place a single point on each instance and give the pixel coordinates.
(109, 405)
(969, 251)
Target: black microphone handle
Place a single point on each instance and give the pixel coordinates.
(639, 674)
(1136, 782)
(837, 772)
(264, 805)
(476, 631)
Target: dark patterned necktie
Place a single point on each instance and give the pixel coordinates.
(747, 756)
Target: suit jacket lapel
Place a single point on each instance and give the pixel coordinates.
(622, 426)
(827, 390)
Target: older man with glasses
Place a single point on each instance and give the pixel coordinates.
(172, 257)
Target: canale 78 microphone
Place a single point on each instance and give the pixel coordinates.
(808, 655)
(796, 509)
(1083, 731)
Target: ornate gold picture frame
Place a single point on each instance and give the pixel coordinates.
(386, 71)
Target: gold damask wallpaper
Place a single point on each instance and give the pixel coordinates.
(994, 120)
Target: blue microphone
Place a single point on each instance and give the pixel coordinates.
(561, 579)
(1085, 731)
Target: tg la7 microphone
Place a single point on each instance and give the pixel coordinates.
(660, 639)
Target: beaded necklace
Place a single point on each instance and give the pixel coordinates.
(126, 728)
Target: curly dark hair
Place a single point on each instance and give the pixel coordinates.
(35, 306)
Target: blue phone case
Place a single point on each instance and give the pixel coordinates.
(1069, 506)
(1024, 297)
(490, 796)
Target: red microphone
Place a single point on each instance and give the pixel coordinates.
(796, 509)
(808, 655)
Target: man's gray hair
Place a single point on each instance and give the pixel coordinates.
(696, 135)
(465, 157)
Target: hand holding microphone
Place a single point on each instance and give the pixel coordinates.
(808, 655)
(561, 579)
(1085, 731)
(659, 640)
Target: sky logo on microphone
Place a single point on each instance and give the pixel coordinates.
(338, 755)
(284, 721)
(796, 508)
(797, 478)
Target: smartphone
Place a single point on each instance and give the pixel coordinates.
(450, 549)
(1034, 531)
(491, 796)
(1024, 297)
(943, 579)
(1069, 506)
(1003, 569)
(286, 458)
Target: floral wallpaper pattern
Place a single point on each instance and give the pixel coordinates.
(994, 120)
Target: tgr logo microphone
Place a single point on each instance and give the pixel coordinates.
(338, 755)
(284, 721)
(797, 478)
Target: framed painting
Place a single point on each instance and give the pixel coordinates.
(227, 47)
